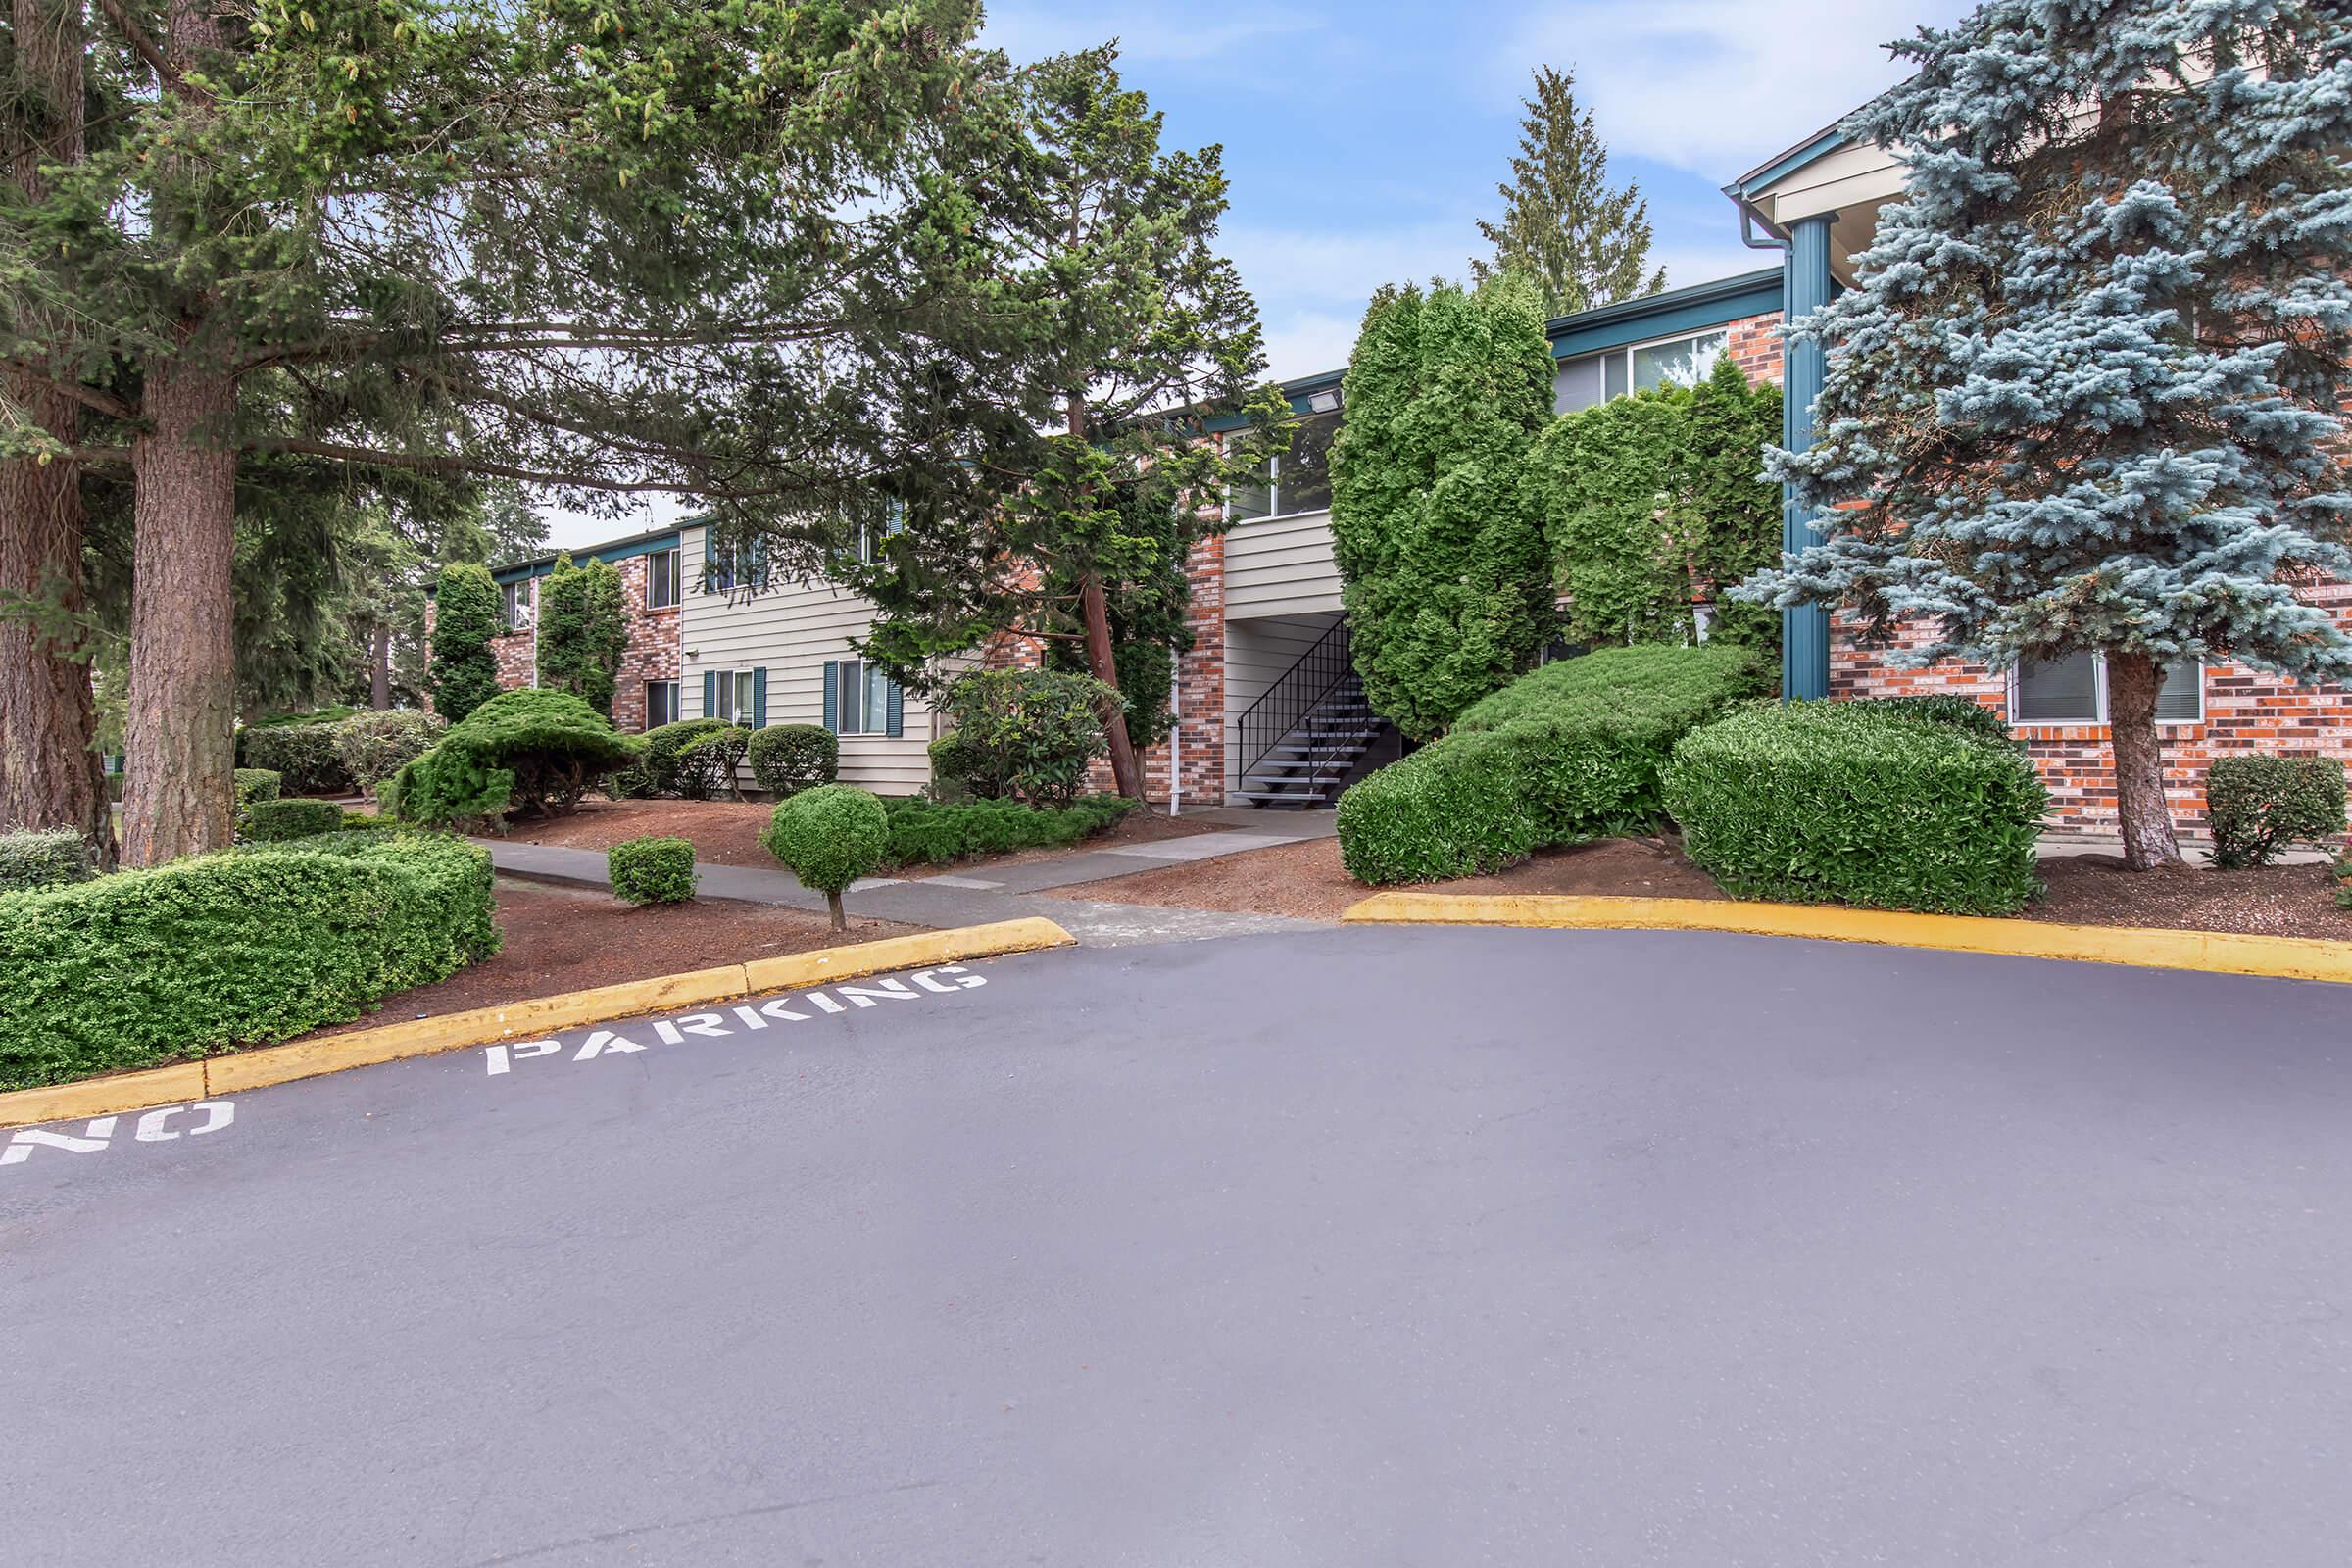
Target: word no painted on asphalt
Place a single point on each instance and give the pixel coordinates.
(162, 1125)
(798, 1008)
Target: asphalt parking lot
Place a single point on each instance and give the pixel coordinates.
(1360, 1247)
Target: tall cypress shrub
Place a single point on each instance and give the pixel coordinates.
(1442, 560)
(465, 619)
(583, 630)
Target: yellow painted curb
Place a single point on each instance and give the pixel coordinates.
(535, 1016)
(2212, 951)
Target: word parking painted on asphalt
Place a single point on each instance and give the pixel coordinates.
(98, 1134)
(802, 1006)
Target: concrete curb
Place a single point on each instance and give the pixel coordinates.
(2211, 951)
(423, 1037)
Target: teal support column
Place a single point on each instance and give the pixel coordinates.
(1804, 630)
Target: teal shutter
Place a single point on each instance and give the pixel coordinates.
(833, 695)
(896, 708)
(710, 693)
(760, 698)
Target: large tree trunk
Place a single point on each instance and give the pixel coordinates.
(51, 775)
(379, 676)
(2132, 683)
(178, 796)
(1127, 775)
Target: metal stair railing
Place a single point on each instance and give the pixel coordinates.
(1292, 700)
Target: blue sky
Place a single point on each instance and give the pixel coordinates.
(1364, 139)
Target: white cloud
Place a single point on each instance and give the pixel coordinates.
(1308, 343)
(1333, 268)
(1029, 32)
(1717, 86)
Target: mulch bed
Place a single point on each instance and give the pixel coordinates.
(570, 937)
(1306, 881)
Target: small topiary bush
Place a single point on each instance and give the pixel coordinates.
(2259, 805)
(930, 833)
(528, 752)
(240, 946)
(651, 871)
(276, 821)
(256, 784)
(299, 747)
(1848, 803)
(1573, 752)
(788, 758)
(32, 859)
(663, 768)
(374, 746)
(829, 837)
(1024, 734)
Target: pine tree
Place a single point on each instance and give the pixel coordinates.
(583, 630)
(2086, 395)
(1581, 243)
(1440, 549)
(465, 619)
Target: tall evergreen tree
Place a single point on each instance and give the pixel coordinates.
(1441, 551)
(2084, 399)
(465, 619)
(583, 630)
(1581, 243)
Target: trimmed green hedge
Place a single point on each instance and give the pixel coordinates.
(256, 784)
(1964, 712)
(787, 759)
(241, 947)
(2258, 805)
(1569, 753)
(651, 870)
(32, 859)
(301, 749)
(664, 767)
(276, 821)
(932, 833)
(1851, 802)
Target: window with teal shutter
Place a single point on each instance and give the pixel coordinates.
(760, 698)
(861, 699)
(833, 696)
(710, 692)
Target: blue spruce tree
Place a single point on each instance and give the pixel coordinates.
(2086, 395)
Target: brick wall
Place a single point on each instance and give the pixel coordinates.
(652, 653)
(1755, 346)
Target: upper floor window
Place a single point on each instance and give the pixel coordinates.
(661, 579)
(2074, 691)
(513, 605)
(871, 540)
(1295, 481)
(729, 565)
(1591, 378)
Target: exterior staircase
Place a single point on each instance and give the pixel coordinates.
(1312, 733)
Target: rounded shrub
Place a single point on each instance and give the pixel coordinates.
(2258, 805)
(651, 870)
(374, 746)
(1024, 733)
(300, 749)
(1963, 712)
(829, 837)
(665, 769)
(788, 758)
(276, 821)
(529, 751)
(32, 859)
(256, 784)
(717, 757)
(1848, 803)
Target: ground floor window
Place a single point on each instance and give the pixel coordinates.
(738, 696)
(660, 703)
(861, 699)
(2074, 691)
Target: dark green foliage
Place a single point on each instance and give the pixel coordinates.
(829, 837)
(1578, 242)
(933, 833)
(2257, 805)
(1024, 734)
(244, 945)
(1571, 751)
(1965, 712)
(713, 758)
(49, 857)
(527, 751)
(2341, 869)
(256, 784)
(787, 759)
(465, 619)
(664, 767)
(301, 751)
(317, 715)
(583, 630)
(374, 746)
(276, 821)
(1850, 802)
(1652, 501)
(1446, 587)
(651, 871)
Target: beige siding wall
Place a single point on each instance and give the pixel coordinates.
(790, 630)
(1256, 652)
(1281, 567)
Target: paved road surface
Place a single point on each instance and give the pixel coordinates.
(1349, 1247)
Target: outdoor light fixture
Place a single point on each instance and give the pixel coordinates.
(1324, 402)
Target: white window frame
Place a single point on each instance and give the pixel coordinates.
(1274, 481)
(652, 559)
(2098, 688)
(737, 692)
(872, 718)
(515, 604)
(1623, 356)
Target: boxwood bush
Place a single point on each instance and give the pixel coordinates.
(240, 946)
(301, 749)
(529, 750)
(32, 859)
(829, 837)
(1962, 711)
(2258, 805)
(1850, 802)
(651, 870)
(276, 821)
(256, 784)
(664, 767)
(373, 746)
(1572, 752)
(933, 833)
(787, 759)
